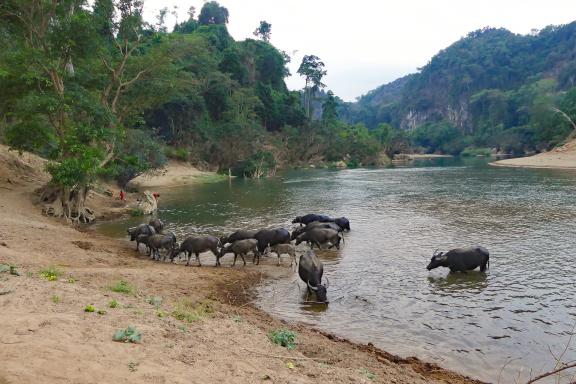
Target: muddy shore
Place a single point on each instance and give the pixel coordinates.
(198, 324)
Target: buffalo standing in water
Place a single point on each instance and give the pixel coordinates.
(461, 259)
(310, 271)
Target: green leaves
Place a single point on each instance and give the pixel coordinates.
(128, 335)
(284, 338)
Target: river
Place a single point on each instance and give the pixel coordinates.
(380, 291)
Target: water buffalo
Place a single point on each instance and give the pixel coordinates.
(157, 224)
(285, 249)
(343, 223)
(270, 237)
(461, 259)
(306, 219)
(157, 242)
(197, 245)
(238, 235)
(310, 271)
(318, 236)
(142, 229)
(239, 247)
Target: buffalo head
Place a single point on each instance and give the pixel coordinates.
(438, 260)
(321, 291)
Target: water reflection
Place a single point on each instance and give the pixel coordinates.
(473, 282)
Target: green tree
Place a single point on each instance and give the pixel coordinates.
(329, 107)
(213, 13)
(312, 69)
(264, 31)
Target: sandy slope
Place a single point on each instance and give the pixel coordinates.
(174, 174)
(42, 341)
(563, 157)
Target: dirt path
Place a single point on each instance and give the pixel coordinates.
(198, 325)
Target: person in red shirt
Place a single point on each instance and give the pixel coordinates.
(122, 195)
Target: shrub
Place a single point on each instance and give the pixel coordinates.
(284, 338)
(176, 153)
(51, 273)
(474, 151)
(89, 308)
(128, 335)
(101, 312)
(154, 300)
(113, 303)
(122, 287)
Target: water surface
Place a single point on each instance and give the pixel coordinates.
(380, 291)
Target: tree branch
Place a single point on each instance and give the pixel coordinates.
(550, 373)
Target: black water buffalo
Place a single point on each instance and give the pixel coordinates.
(343, 223)
(307, 219)
(269, 237)
(239, 247)
(142, 229)
(315, 224)
(242, 234)
(319, 236)
(197, 245)
(157, 224)
(461, 259)
(310, 271)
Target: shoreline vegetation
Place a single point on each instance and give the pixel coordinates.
(76, 289)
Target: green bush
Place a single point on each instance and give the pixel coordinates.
(473, 152)
(284, 338)
(180, 154)
(113, 304)
(89, 308)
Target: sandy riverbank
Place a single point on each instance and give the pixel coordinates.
(563, 157)
(46, 337)
(174, 174)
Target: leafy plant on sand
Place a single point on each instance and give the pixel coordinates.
(369, 375)
(189, 311)
(55, 299)
(122, 287)
(89, 308)
(51, 273)
(284, 338)
(128, 335)
(113, 303)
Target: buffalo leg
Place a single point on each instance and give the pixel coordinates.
(188, 256)
(198, 259)
(243, 259)
(234, 262)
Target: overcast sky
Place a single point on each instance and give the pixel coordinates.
(366, 43)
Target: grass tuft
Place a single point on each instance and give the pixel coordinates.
(128, 335)
(55, 299)
(89, 308)
(122, 287)
(113, 303)
(51, 273)
(188, 311)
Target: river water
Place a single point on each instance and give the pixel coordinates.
(517, 315)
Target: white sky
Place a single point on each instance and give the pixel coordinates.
(366, 43)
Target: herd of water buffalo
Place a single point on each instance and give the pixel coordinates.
(319, 230)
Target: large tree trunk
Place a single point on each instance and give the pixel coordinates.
(67, 203)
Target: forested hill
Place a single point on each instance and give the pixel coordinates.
(490, 88)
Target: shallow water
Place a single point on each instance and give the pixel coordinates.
(380, 291)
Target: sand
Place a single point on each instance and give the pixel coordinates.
(172, 175)
(47, 337)
(563, 157)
